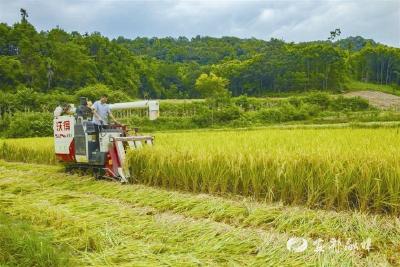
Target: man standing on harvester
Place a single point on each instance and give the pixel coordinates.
(101, 111)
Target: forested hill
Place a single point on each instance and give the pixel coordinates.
(58, 62)
(209, 50)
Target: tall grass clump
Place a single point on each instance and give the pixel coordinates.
(33, 150)
(325, 168)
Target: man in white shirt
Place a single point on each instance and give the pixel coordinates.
(101, 111)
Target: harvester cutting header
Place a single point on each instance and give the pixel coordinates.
(84, 139)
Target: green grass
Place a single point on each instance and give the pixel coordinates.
(107, 223)
(362, 86)
(20, 245)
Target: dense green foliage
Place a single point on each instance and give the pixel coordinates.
(61, 63)
(246, 111)
(30, 124)
(220, 111)
(27, 99)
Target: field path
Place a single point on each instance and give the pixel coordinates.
(108, 224)
(378, 99)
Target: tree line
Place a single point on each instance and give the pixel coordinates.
(59, 62)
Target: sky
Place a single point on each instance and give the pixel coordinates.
(292, 21)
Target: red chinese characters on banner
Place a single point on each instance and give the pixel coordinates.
(63, 129)
(63, 126)
(59, 126)
(67, 125)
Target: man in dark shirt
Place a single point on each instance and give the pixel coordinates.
(83, 110)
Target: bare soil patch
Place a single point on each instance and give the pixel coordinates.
(378, 99)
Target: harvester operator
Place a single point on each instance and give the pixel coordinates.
(101, 111)
(63, 109)
(84, 111)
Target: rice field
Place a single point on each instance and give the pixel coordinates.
(340, 169)
(53, 219)
(33, 150)
(320, 168)
(214, 198)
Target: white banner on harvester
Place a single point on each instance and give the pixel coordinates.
(63, 127)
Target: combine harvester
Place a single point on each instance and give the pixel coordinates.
(81, 144)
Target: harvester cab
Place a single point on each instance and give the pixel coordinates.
(83, 145)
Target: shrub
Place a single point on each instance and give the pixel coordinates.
(95, 91)
(162, 123)
(226, 114)
(92, 92)
(30, 125)
(203, 119)
(349, 103)
(309, 110)
(318, 98)
(243, 102)
(272, 115)
(4, 122)
(295, 101)
(288, 112)
(118, 97)
(221, 115)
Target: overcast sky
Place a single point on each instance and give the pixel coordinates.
(288, 20)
